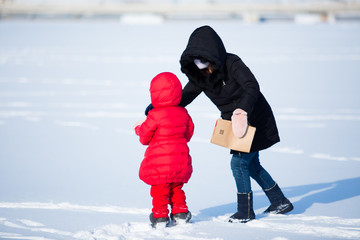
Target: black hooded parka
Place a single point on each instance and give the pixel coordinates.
(230, 86)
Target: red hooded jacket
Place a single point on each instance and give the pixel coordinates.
(167, 129)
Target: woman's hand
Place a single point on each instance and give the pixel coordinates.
(239, 122)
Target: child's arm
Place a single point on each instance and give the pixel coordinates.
(146, 130)
(137, 125)
(190, 129)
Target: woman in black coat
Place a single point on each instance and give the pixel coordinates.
(230, 85)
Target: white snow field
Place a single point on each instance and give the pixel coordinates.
(70, 92)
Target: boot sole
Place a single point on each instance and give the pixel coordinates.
(286, 210)
(233, 220)
(160, 225)
(281, 211)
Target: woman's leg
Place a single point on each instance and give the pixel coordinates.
(240, 168)
(279, 203)
(259, 174)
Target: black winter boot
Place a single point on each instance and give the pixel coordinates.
(279, 203)
(180, 218)
(245, 209)
(162, 222)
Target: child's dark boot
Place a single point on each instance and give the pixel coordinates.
(159, 222)
(180, 218)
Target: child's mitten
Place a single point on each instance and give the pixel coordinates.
(137, 125)
(239, 122)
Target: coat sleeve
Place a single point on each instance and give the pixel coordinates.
(190, 129)
(250, 86)
(189, 93)
(147, 130)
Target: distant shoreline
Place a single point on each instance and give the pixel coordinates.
(302, 12)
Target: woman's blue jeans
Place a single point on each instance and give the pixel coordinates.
(246, 165)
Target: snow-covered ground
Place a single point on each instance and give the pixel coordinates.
(71, 91)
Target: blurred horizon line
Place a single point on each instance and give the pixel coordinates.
(253, 12)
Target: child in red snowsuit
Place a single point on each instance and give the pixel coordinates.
(167, 164)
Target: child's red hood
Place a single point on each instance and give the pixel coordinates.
(165, 90)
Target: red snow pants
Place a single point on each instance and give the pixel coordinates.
(164, 194)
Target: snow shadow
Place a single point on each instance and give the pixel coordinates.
(303, 197)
